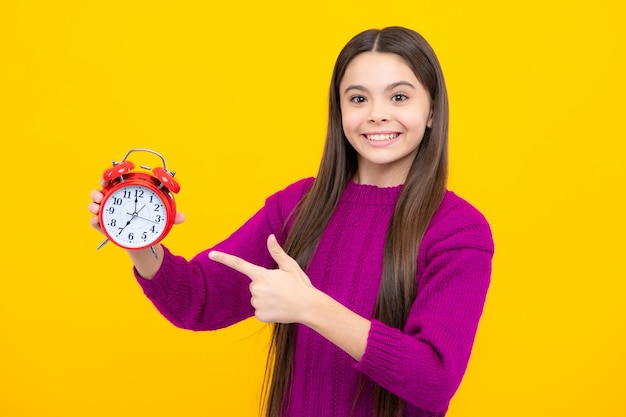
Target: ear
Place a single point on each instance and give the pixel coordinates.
(429, 122)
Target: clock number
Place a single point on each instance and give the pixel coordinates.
(158, 218)
(117, 201)
(144, 235)
(111, 210)
(126, 194)
(138, 193)
(157, 207)
(131, 236)
(112, 223)
(153, 229)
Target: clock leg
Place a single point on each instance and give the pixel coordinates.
(102, 244)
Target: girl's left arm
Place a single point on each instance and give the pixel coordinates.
(424, 363)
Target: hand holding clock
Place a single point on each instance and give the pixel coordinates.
(127, 192)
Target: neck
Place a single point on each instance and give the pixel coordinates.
(379, 176)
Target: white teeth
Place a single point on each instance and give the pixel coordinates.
(382, 137)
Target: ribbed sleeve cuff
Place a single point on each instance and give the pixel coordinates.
(379, 362)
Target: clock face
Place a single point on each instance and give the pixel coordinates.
(134, 216)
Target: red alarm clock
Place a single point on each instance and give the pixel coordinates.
(138, 207)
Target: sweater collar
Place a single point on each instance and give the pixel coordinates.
(371, 194)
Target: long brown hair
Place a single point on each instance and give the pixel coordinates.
(421, 194)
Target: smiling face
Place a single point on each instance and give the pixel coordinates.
(385, 111)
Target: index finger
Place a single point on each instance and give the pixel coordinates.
(235, 263)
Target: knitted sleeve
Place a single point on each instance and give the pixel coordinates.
(205, 295)
(424, 363)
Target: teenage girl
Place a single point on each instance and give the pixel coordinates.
(373, 274)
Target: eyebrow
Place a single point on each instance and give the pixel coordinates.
(389, 87)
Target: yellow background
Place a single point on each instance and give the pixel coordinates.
(234, 95)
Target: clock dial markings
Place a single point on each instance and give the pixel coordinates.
(141, 212)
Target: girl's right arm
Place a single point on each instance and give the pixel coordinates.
(201, 294)
(190, 294)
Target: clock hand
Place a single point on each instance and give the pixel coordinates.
(144, 218)
(135, 214)
(127, 223)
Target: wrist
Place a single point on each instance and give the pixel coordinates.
(337, 323)
(147, 261)
(315, 307)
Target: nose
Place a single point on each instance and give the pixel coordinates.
(378, 114)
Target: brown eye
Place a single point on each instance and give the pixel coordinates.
(399, 97)
(357, 99)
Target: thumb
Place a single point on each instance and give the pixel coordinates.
(283, 260)
(180, 217)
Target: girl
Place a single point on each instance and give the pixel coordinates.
(373, 273)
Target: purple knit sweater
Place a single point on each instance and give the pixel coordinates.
(422, 364)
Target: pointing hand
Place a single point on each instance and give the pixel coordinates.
(278, 295)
